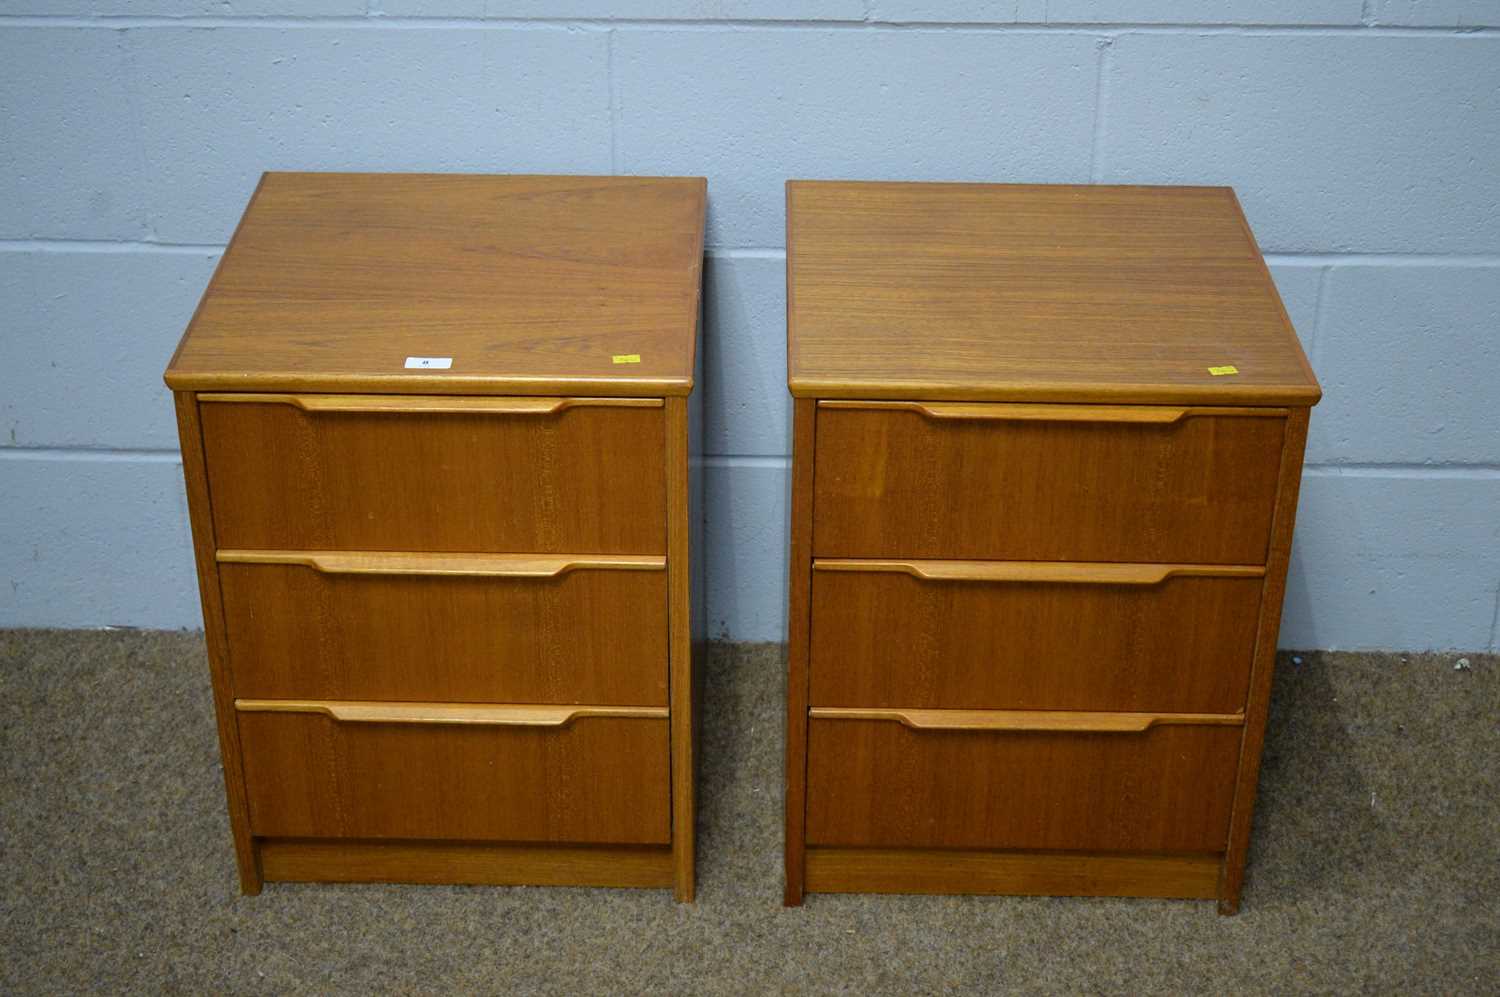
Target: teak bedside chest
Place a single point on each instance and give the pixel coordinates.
(1046, 450)
(435, 435)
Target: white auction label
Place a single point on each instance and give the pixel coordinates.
(429, 363)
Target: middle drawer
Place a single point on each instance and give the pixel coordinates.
(1033, 636)
(454, 627)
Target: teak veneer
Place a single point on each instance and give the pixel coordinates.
(533, 284)
(1046, 449)
(435, 438)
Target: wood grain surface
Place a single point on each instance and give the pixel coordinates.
(1063, 874)
(344, 861)
(599, 779)
(298, 633)
(584, 479)
(799, 647)
(1183, 644)
(892, 483)
(680, 653)
(221, 674)
(435, 438)
(879, 783)
(1263, 666)
(1046, 444)
(530, 284)
(1033, 293)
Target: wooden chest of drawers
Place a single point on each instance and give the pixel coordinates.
(435, 431)
(1046, 450)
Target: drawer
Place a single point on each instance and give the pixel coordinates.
(1045, 482)
(920, 780)
(1052, 635)
(387, 472)
(422, 771)
(446, 627)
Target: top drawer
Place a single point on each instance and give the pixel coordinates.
(1045, 482)
(385, 472)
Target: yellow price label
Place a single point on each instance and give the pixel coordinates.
(626, 358)
(1228, 368)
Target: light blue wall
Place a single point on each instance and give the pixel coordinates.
(1362, 135)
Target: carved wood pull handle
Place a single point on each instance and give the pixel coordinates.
(1006, 412)
(1027, 720)
(1064, 572)
(475, 714)
(1021, 412)
(462, 565)
(430, 404)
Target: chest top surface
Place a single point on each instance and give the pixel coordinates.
(987, 292)
(530, 284)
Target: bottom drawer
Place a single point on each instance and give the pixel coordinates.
(456, 774)
(881, 783)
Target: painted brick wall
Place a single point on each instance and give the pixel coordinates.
(1362, 135)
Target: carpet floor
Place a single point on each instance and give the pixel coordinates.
(1375, 864)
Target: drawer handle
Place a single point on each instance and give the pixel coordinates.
(1028, 720)
(457, 405)
(358, 562)
(1004, 412)
(476, 714)
(1064, 572)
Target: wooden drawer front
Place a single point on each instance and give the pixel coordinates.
(1033, 636)
(594, 779)
(880, 783)
(460, 628)
(1045, 482)
(350, 472)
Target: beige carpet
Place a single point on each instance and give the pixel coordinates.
(1375, 865)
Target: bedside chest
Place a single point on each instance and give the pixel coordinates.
(1046, 450)
(435, 431)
